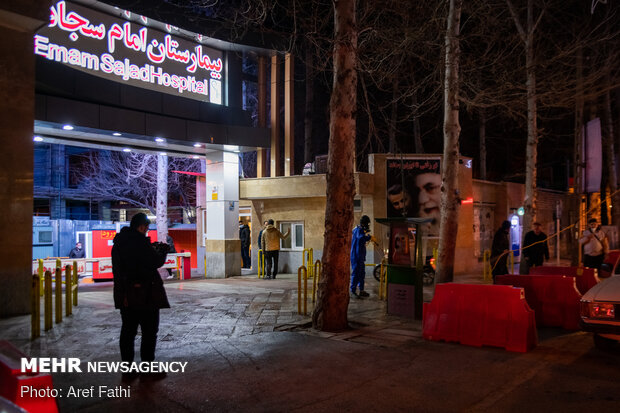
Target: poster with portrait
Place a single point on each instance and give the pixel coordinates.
(414, 189)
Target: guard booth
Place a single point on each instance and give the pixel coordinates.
(405, 268)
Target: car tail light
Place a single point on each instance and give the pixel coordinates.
(598, 310)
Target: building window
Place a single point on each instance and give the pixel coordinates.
(357, 205)
(295, 240)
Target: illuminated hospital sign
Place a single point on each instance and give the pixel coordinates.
(122, 50)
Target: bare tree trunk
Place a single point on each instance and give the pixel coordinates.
(162, 198)
(450, 201)
(308, 155)
(393, 115)
(578, 153)
(330, 313)
(609, 149)
(531, 149)
(482, 129)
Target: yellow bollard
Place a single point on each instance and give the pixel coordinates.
(299, 292)
(35, 308)
(205, 264)
(68, 283)
(58, 311)
(48, 300)
(74, 286)
(261, 264)
(315, 280)
(511, 257)
(41, 272)
(383, 279)
(179, 267)
(486, 266)
(310, 261)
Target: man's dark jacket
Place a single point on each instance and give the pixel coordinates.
(244, 235)
(137, 284)
(538, 250)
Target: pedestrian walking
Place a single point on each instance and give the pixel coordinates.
(271, 248)
(535, 249)
(139, 292)
(595, 245)
(361, 235)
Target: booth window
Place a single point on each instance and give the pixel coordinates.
(295, 241)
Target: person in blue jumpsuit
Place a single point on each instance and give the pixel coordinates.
(361, 235)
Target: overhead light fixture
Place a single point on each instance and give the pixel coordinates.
(197, 145)
(37, 139)
(163, 154)
(237, 151)
(126, 150)
(195, 157)
(160, 140)
(68, 127)
(117, 134)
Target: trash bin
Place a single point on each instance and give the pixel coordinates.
(404, 291)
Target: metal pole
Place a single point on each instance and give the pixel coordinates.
(35, 321)
(48, 300)
(68, 283)
(557, 232)
(58, 295)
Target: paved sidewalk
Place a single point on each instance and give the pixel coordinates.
(248, 350)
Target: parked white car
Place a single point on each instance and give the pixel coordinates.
(600, 312)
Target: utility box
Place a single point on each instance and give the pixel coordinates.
(405, 266)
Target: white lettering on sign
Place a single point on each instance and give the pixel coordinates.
(129, 52)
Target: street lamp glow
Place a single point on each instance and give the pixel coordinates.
(117, 134)
(68, 127)
(160, 140)
(197, 145)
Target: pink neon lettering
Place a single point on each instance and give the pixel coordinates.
(171, 51)
(133, 41)
(154, 57)
(115, 33)
(69, 22)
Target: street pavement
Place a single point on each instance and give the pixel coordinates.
(249, 351)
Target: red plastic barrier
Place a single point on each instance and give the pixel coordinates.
(12, 380)
(585, 277)
(477, 315)
(554, 299)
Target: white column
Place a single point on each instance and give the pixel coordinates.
(222, 192)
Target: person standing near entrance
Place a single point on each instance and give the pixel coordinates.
(361, 235)
(77, 252)
(138, 288)
(244, 236)
(270, 241)
(595, 245)
(499, 250)
(535, 248)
